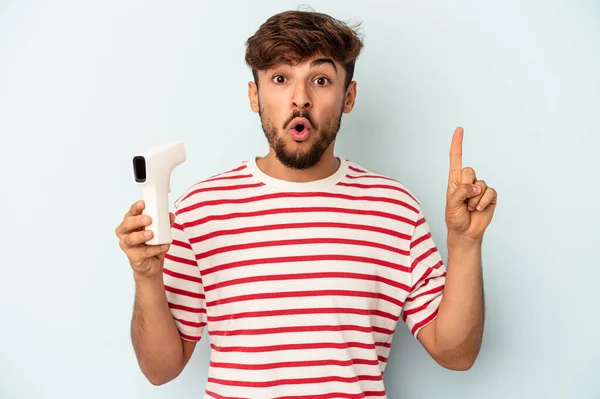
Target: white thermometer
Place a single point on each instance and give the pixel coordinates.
(152, 173)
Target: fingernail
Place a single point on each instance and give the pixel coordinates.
(476, 189)
(470, 209)
(479, 207)
(164, 247)
(144, 220)
(147, 234)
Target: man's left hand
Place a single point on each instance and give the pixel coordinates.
(470, 203)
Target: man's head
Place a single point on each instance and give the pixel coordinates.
(303, 64)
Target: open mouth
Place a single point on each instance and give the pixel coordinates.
(300, 130)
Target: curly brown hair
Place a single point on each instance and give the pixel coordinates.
(292, 37)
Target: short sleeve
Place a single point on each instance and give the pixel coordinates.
(428, 277)
(183, 286)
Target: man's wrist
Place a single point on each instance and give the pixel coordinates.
(460, 243)
(144, 280)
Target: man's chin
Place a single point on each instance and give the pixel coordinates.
(298, 158)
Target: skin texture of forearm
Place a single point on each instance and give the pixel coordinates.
(459, 327)
(155, 338)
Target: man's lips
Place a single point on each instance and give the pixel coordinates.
(300, 121)
(300, 129)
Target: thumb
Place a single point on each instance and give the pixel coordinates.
(462, 194)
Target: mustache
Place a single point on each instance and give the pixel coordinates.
(300, 114)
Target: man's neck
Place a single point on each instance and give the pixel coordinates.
(327, 166)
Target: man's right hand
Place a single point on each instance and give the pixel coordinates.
(146, 260)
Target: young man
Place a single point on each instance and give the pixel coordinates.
(301, 264)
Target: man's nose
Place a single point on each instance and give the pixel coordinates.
(301, 99)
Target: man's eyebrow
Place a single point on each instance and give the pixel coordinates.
(322, 61)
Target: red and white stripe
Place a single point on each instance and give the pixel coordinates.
(301, 290)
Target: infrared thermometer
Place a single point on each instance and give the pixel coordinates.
(152, 173)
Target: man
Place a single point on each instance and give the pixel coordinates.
(301, 264)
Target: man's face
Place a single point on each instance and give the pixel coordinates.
(301, 107)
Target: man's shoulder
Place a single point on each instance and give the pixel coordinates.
(234, 175)
(362, 177)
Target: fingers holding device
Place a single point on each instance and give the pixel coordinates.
(152, 173)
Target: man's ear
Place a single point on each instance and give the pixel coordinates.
(350, 97)
(253, 96)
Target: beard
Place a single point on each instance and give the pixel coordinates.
(301, 159)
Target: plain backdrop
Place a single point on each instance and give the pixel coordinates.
(84, 85)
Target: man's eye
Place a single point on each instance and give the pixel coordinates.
(322, 81)
(279, 79)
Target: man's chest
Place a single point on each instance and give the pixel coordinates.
(262, 260)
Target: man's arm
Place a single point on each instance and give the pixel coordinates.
(453, 339)
(161, 352)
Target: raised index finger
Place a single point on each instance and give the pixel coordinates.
(456, 150)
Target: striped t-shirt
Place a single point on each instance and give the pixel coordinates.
(301, 285)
